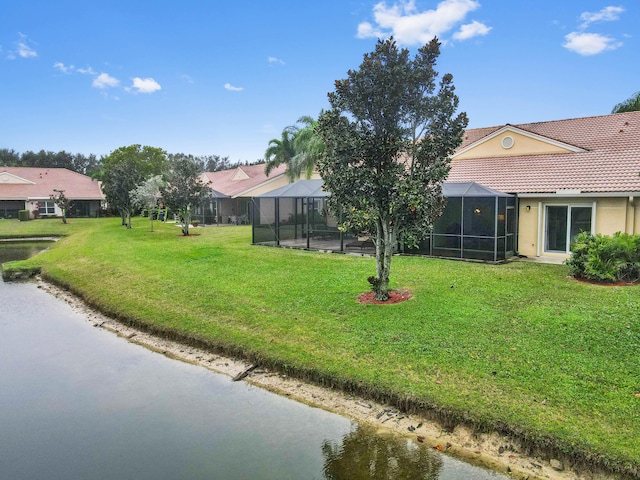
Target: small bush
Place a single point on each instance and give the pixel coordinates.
(605, 258)
(23, 215)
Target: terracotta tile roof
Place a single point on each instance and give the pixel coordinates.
(237, 181)
(44, 180)
(610, 162)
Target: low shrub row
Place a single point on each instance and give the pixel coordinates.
(605, 258)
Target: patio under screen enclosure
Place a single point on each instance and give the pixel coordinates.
(478, 223)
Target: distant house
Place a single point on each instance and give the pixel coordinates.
(568, 176)
(29, 188)
(231, 192)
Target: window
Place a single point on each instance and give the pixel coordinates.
(47, 208)
(563, 223)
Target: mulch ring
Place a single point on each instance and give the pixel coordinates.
(395, 296)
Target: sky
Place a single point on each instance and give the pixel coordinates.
(224, 77)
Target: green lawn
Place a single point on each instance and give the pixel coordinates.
(516, 348)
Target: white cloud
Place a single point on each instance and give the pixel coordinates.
(144, 85)
(589, 43)
(471, 30)
(410, 26)
(22, 49)
(86, 71)
(63, 68)
(186, 78)
(607, 14)
(25, 51)
(104, 80)
(584, 43)
(275, 60)
(231, 88)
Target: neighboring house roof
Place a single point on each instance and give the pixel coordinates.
(580, 155)
(25, 183)
(240, 181)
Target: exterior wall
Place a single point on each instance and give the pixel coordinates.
(613, 214)
(528, 227)
(522, 145)
(267, 187)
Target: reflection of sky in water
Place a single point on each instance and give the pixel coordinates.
(78, 402)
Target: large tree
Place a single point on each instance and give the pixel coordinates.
(126, 168)
(184, 190)
(389, 135)
(631, 104)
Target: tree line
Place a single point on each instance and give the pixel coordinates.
(92, 165)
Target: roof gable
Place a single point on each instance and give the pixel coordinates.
(11, 179)
(511, 141)
(239, 175)
(245, 181)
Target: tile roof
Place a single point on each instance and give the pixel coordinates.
(44, 180)
(610, 162)
(237, 181)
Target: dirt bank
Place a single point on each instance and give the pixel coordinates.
(498, 453)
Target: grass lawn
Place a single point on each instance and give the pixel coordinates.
(517, 348)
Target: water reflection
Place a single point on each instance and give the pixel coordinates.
(13, 251)
(364, 455)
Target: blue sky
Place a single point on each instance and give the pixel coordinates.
(226, 76)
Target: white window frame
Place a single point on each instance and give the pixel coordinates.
(569, 205)
(47, 207)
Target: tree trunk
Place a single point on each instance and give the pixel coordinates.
(385, 244)
(186, 220)
(126, 218)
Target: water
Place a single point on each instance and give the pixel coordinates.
(78, 402)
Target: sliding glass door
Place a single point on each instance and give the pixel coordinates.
(563, 223)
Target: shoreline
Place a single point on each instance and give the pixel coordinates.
(489, 450)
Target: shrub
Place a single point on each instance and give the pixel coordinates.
(23, 215)
(605, 258)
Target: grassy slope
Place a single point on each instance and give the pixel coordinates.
(517, 346)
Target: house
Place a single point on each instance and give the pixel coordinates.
(231, 192)
(568, 176)
(513, 189)
(29, 188)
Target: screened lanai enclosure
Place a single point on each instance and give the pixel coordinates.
(478, 223)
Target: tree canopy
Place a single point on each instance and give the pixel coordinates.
(126, 168)
(389, 135)
(184, 190)
(631, 104)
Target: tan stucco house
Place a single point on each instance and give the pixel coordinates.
(232, 189)
(568, 175)
(29, 188)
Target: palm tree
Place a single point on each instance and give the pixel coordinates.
(298, 148)
(281, 151)
(308, 146)
(631, 104)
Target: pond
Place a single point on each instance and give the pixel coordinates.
(79, 402)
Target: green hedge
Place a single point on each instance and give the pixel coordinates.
(605, 258)
(23, 215)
